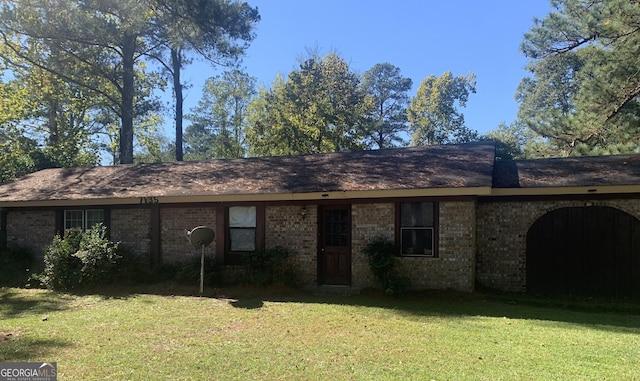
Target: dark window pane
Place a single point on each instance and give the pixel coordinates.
(418, 214)
(417, 230)
(73, 219)
(417, 241)
(94, 217)
(242, 239)
(336, 227)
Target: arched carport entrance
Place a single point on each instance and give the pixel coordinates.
(588, 251)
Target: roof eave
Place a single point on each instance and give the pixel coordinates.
(250, 197)
(571, 190)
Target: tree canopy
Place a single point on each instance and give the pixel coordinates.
(582, 95)
(386, 91)
(219, 120)
(80, 84)
(433, 113)
(317, 109)
(110, 62)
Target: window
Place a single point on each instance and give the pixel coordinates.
(241, 231)
(418, 228)
(83, 219)
(242, 228)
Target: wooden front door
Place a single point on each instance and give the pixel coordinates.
(334, 245)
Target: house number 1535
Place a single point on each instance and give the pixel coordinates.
(149, 200)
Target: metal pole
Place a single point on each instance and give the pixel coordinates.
(202, 271)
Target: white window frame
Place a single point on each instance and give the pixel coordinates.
(85, 218)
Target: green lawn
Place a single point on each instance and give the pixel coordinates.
(241, 334)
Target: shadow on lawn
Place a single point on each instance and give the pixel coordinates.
(618, 316)
(13, 303)
(17, 348)
(622, 316)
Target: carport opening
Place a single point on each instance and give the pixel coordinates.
(584, 251)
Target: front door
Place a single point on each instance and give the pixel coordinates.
(334, 241)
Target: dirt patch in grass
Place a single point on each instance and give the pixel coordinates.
(5, 336)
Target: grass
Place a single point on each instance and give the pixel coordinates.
(240, 334)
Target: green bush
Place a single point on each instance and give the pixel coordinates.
(381, 256)
(15, 265)
(188, 272)
(80, 259)
(131, 267)
(265, 267)
(98, 256)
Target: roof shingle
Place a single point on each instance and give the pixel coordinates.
(581, 171)
(446, 166)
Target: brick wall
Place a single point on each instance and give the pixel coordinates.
(131, 228)
(285, 227)
(31, 229)
(175, 246)
(368, 222)
(454, 268)
(502, 237)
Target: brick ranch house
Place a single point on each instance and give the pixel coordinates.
(461, 219)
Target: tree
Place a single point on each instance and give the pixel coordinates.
(317, 109)
(267, 132)
(433, 115)
(44, 123)
(583, 92)
(103, 62)
(218, 30)
(60, 119)
(387, 91)
(222, 111)
(199, 142)
(510, 140)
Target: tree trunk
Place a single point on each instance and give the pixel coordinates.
(53, 138)
(126, 108)
(176, 64)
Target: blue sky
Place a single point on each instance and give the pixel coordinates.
(421, 37)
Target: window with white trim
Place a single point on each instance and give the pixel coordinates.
(418, 229)
(83, 218)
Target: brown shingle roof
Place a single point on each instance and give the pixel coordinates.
(447, 166)
(568, 172)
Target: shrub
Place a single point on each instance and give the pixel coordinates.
(80, 258)
(381, 256)
(98, 256)
(131, 267)
(189, 271)
(15, 264)
(264, 267)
